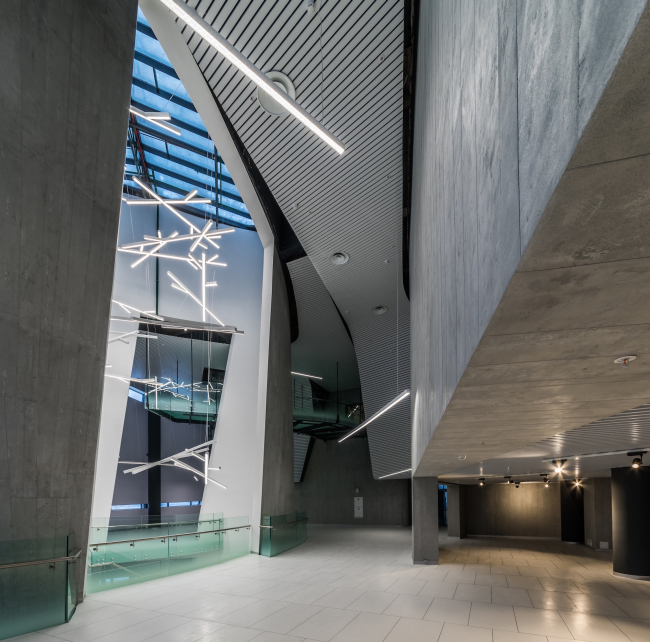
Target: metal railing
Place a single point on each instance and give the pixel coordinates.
(162, 538)
(298, 521)
(72, 558)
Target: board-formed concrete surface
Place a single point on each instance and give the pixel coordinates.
(518, 317)
(65, 93)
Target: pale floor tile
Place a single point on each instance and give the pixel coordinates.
(408, 630)
(325, 624)
(373, 602)
(193, 604)
(377, 583)
(88, 618)
(215, 612)
(287, 619)
(349, 581)
(511, 636)
(504, 570)
(145, 630)
(106, 627)
(598, 588)
(460, 633)
(280, 591)
(638, 630)
(510, 596)
(438, 589)
(477, 568)
(189, 632)
(451, 611)
(592, 628)
(309, 594)
(541, 622)
(276, 637)
(35, 637)
(492, 616)
(633, 607)
(533, 571)
(473, 593)
(367, 627)
(553, 600)
(412, 587)
(558, 584)
(409, 606)
(596, 604)
(255, 587)
(461, 577)
(253, 613)
(231, 634)
(489, 579)
(339, 598)
(523, 582)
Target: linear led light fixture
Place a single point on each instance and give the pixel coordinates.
(301, 374)
(193, 20)
(188, 200)
(406, 470)
(386, 408)
(128, 308)
(156, 117)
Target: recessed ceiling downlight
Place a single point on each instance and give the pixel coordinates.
(339, 258)
(270, 105)
(380, 309)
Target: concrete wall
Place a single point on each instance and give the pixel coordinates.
(277, 478)
(598, 512)
(334, 472)
(456, 510)
(66, 73)
(504, 92)
(501, 509)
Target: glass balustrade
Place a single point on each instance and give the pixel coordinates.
(136, 553)
(279, 533)
(37, 584)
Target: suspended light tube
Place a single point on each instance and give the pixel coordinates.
(386, 408)
(193, 20)
(156, 117)
(302, 374)
(406, 470)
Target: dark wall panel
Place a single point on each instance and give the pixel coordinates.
(501, 509)
(334, 472)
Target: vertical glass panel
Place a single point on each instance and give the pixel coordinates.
(283, 532)
(32, 597)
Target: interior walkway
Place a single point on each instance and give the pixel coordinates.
(357, 584)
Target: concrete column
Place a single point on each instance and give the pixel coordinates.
(598, 513)
(425, 520)
(277, 478)
(65, 92)
(631, 522)
(456, 510)
(572, 511)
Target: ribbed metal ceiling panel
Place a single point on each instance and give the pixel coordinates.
(346, 64)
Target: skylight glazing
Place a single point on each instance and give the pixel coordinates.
(174, 165)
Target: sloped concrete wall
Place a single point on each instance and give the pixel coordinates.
(65, 91)
(504, 92)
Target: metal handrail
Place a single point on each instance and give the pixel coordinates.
(52, 561)
(159, 524)
(163, 537)
(298, 521)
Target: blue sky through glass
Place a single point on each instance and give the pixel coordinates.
(177, 164)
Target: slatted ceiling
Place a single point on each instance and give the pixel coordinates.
(628, 430)
(300, 447)
(332, 202)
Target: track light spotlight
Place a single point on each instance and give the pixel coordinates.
(545, 480)
(509, 480)
(481, 481)
(558, 463)
(516, 484)
(637, 462)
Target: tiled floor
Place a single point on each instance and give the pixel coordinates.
(357, 584)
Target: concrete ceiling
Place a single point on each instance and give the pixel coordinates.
(350, 203)
(579, 299)
(629, 430)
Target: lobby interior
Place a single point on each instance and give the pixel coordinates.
(325, 321)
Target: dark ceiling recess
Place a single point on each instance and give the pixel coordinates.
(411, 21)
(287, 244)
